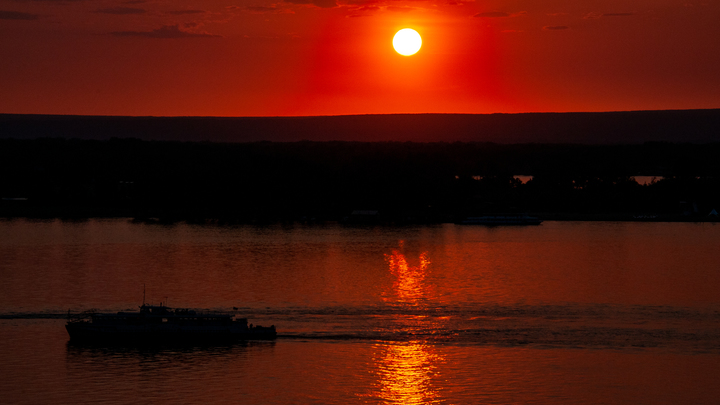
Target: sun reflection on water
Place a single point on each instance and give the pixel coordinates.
(405, 372)
(409, 285)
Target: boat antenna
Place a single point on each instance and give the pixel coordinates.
(143, 293)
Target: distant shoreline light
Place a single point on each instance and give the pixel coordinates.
(645, 180)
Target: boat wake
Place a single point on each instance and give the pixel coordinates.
(542, 326)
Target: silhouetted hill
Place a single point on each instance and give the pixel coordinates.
(696, 126)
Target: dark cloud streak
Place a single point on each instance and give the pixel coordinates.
(317, 3)
(594, 15)
(49, 1)
(617, 14)
(17, 15)
(492, 14)
(267, 10)
(400, 9)
(184, 12)
(164, 32)
(121, 10)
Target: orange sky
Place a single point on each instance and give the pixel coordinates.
(328, 57)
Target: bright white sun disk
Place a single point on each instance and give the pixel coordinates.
(407, 42)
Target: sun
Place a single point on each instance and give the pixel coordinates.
(407, 42)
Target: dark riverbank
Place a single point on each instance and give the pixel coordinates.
(356, 182)
(87, 214)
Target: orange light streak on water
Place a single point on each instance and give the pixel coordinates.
(405, 372)
(409, 286)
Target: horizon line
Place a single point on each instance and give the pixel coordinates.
(350, 115)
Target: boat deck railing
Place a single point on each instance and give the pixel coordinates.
(87, 315)
(80, 316)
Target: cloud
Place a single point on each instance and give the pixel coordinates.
(556, 27)
(499, 14)
(274, 9)
(593, 15)
(121, 10)
(17, 15)
(183, 12)
(164, 32)
(492, 14)
(355, 3)
(617, 14)
(400, 9)
(260, 9)
(316, 3)
(371, 9)
(48, 1)
(364, 11)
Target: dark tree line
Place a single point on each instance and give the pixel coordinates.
(404, 182)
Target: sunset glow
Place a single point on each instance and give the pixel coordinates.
(330, 57)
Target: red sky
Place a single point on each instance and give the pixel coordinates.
(329, 57)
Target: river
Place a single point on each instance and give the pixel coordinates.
(561, 313)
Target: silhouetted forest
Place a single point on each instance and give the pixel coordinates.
(404, 182)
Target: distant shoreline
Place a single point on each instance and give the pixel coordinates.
(42, 215)
(392, 183)
(626, 217)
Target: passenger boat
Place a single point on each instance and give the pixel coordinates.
(161, 324)
(502, 219)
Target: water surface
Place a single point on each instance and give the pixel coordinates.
(564, 312)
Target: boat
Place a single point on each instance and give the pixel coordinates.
(502, 219)
(162, 324)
